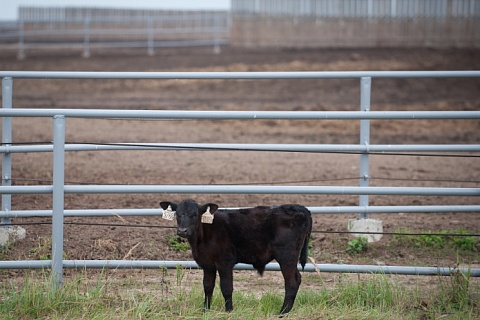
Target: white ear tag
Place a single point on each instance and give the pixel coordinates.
(168, 214)
(207, 217)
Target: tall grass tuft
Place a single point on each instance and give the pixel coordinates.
(374, 298)
(111, 297)
(37, 299)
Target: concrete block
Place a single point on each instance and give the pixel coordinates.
(11, 234)
(366, 225)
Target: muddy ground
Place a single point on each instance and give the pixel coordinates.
(233, 167)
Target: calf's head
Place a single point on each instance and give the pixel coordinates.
(188, 214)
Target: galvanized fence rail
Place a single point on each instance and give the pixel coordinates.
(58, 189)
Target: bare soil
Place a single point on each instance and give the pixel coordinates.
(230, 167)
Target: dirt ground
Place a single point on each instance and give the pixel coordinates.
(233, 167)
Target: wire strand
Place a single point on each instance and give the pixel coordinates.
(313, 231)
(160, 146)
(279, 182)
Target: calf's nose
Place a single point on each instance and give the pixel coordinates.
(182, 232)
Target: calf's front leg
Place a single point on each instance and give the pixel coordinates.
(209, 276)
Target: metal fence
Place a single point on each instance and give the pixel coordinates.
(58, 189)
(86, 28)
(356, 23)
(359, 8)
(250, 23)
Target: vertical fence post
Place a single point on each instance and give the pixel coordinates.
(370, 9)
(21, 40)
(58, 199)
(216, 33)
(393, 9)
(7, 94)
(365, 91)
(150, 36)
(86, 37)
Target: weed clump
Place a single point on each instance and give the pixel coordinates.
(357, 245)
(439, 239)
(177, 244)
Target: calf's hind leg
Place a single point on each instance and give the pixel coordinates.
(226, 285)
(292, 280)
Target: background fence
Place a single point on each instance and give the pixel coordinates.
(356, 23)
(359, 8)
(58, 189)
(85, 28)
(251, 23)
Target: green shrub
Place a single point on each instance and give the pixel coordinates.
(466, 243)
(177, 243)
(438, 239)
(358, 245)
(431, 240)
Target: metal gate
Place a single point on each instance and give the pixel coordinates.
(58, 188)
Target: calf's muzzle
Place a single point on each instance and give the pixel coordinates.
(182, 232)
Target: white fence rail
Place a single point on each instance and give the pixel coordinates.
(58, 189)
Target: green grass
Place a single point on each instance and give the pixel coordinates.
(438, 239)
(112, 297)
(357, 245)
(177, 244)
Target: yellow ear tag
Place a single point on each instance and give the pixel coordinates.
(207, 217)
(168, 214)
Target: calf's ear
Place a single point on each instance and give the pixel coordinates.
(213, 207)
(164, 205)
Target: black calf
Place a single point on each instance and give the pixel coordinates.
(255, 236)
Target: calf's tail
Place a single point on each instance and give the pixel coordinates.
(304, 252)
